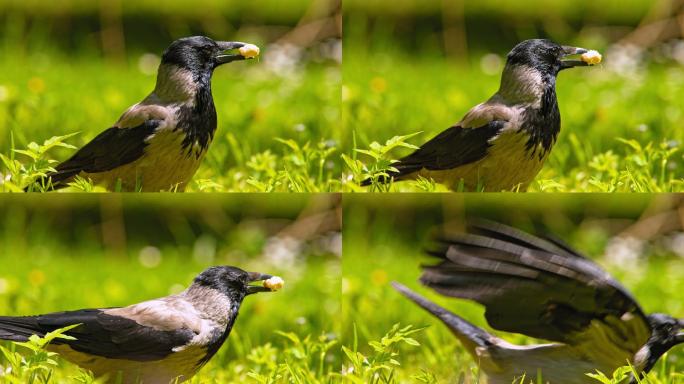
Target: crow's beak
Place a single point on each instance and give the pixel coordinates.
(225, 56)
(570, 63)
(256, 276)
(680, 336)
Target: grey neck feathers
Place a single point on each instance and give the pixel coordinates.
(521, 84)
(175, 84)
(211, 303)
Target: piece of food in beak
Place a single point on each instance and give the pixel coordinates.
(249, 51)
(275, 283)
(592, 57)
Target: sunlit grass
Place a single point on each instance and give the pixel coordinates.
(385, 239)
(620, 131)
(67, 261)
(277, 127)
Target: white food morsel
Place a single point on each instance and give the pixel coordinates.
(592, 57)
(275, 283)
(249, 51)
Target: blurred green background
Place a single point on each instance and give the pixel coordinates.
(71, 252)
(76, 66)
(638, 238)
(418, 66)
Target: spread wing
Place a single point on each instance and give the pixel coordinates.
(110, 149)
(100, 334)
(538, 287)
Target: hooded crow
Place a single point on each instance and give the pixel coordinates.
(501, 144)
(153, 342)
(158, 143)
(544, 289)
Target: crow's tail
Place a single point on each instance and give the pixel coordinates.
(470, 335)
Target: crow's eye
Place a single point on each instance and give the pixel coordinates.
(206, 48)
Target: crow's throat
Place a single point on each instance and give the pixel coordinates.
(199, 120)
(543, 124)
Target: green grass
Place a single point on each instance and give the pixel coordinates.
(277, 130)
(335, 321)
(255, 348)
(384, 239)
(620, 133)
(66, 257)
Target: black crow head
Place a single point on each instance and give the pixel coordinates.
(666, 332)
(200, 53)
(232, 281)
(545, 56)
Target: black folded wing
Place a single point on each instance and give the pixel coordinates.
(452, 148)
(112, 148)
(99, 334)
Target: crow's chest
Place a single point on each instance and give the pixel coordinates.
(170, 159)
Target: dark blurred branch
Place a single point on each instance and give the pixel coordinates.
(112, 225)
(322, 215)
(454, 31)
(663, 22)
(662, 216)
(322, 20)
(653, 33)
(653, 226)
(112, 34)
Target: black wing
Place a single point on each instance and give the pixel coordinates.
(537, 287)
(100, 334)
(110, 149)
(452, 148)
